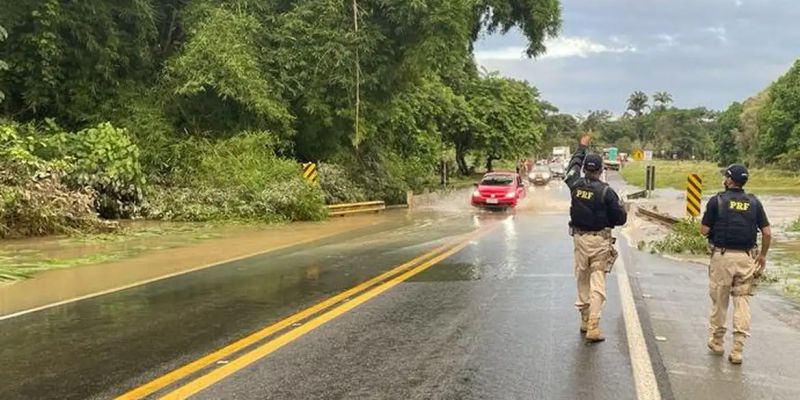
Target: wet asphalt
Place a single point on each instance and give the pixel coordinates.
(493, 321)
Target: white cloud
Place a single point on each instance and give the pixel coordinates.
(667, 40)
(561, 47)
(739, 3)
(720, 32)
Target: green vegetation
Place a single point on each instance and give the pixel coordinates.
(762, 132)
(786, 269)
(203, 110)
(794, 226)
(766, 128)
(684, 238)
(668, 131)
(674, 174)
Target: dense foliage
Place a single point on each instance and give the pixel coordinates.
(203, 109)
(670, 132)
(765, 129)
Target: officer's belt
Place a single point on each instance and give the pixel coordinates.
(723, 250)
(606, 233)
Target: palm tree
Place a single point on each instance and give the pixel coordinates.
(663, 99)
(637, 103)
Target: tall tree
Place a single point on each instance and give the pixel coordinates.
(637, 103)
(662, 99)
(779, 120)
(729, 124)
(537, 19)
(594, 120)
(509, 110)
(3, 65)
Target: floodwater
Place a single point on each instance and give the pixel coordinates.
(158, 255)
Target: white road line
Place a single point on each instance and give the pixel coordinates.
(643, 375)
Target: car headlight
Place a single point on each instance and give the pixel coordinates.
(511, 195)
(546, 176)
(476, 193)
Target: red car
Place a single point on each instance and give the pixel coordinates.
(499, 190)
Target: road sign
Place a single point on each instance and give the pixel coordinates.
(694, 192)
(310, 172)
(638, 155)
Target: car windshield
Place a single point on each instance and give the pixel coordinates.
(542, 168)
(497, 180)
(556, 167)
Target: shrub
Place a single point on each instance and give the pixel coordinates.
(275, 203)
(45, 206)
(102, 158)
(684, 238)
(238, 178)
(105, 159)
(794, 226)
(338, 186)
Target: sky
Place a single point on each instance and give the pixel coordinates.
(704, 52)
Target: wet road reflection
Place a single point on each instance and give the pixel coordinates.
(101, 347)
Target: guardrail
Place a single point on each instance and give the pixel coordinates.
(338, 210)
(658, 217)
(638, 195)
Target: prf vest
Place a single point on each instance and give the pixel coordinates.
(736, 226)
(588, 211)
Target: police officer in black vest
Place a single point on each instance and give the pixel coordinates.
(595, 211)
(731, 223)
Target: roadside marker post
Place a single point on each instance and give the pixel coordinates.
(694, 194)
(650, 179)
(310, 172)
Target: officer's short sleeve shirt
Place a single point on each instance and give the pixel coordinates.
(761, 216)
(710, 217)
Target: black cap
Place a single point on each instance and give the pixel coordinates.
(593, 163)
(738, 173)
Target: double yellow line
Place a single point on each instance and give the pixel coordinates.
(364, 292)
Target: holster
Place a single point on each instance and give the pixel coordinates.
(613, 254)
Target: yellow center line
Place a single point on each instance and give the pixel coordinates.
(268, 348)
(195, 366)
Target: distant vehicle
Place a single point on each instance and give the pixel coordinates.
(499, 190)
(561, 152)
(611, 158)
(540, 175)
(557, 170)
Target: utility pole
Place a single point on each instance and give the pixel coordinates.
(357, 136)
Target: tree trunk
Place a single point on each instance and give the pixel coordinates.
(461, 159)
(489, 167)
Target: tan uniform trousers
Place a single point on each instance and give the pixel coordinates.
(592, 253)
(731, 274)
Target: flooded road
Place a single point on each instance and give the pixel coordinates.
(143, 256)
(481, 306)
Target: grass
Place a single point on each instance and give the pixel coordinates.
(14, 267)
(674, 174)
(684, 238)
(793, 226)
(22, 259)
(461, 182)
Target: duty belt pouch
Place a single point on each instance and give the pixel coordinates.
(613, 254)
